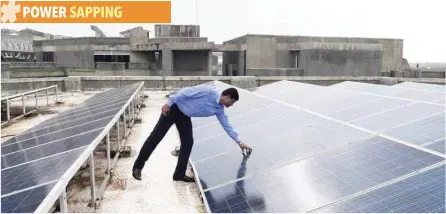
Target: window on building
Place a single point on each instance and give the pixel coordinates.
(47, 56)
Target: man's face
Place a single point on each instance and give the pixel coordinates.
(228, 102)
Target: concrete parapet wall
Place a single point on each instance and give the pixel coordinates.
(274, 72)
(110, 66)
(91, 83)
(139, 66)
(15, 86)
(176, 39)
(38, 74)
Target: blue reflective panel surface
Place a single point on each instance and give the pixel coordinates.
(26, 201)
(367, 109)
(368, 88)
(318, 180)
(30, 140)
(296, 136)
(396, 117)
(48, 149)
(442, 101)
(38, 172)
(420, 86)
(70, 124)
(422, 193)
(438, 146)
(421, 132)
(426, 96)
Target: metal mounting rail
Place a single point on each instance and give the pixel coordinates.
(6, 103)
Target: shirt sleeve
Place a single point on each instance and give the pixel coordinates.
(227, 126)
(190, 92)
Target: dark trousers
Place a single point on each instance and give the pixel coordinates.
(184, 126)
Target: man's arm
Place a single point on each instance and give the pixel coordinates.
(190, 92)
(227, 126)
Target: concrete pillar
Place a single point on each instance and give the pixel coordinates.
(167, 62)
(241, 63)
(210, 63)
(418, 73)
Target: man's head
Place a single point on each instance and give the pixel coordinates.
(229, 97)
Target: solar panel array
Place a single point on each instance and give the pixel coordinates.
(305, 159)
(37, 162)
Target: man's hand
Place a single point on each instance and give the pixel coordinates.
(165, 109)
(244, 147)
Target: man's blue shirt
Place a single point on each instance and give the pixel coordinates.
(202, 101)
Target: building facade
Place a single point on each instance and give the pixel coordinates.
(180, 51)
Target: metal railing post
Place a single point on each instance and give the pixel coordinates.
(23, 104)
(8, 112)
(107, 139)
(37, 101)
(56, 93)
(92, 180)
(63, 202)
(47, 97)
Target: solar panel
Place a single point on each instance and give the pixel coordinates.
(395, 91)
(318, 180)
(438, 145)
(392, 118)
(405, 118)
(421, 193)
(39, 162)
(26, 201)
(301, 160)
(368, 88)
(421, 86)
(421, 132)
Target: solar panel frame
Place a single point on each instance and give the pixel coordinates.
(61, 182)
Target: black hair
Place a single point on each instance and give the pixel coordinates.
(232, 92)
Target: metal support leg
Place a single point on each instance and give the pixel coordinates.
(63, 202)
(125, 125)
(47, 97)
(56, 93)
(8, 112)
(107, 138)
(37, 101)
(118, 137)
(23, 104)
(92, 180)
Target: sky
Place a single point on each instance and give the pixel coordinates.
(420, 23)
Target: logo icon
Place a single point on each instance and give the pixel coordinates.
(9, 11)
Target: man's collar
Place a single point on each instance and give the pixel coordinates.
(218, 99)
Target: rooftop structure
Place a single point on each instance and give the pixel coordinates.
(179, 50)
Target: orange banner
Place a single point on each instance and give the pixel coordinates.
(86, 11)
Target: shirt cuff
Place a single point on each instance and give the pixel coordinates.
(169, 102)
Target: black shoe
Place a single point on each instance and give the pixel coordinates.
(184, 178)
(137, 174)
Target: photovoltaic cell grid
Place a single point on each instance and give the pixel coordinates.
(432, 95)
(35, 160)
(340, 162)
(422, 86)
(421, 193)
(413, 121)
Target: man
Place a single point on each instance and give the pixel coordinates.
(198, 101)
